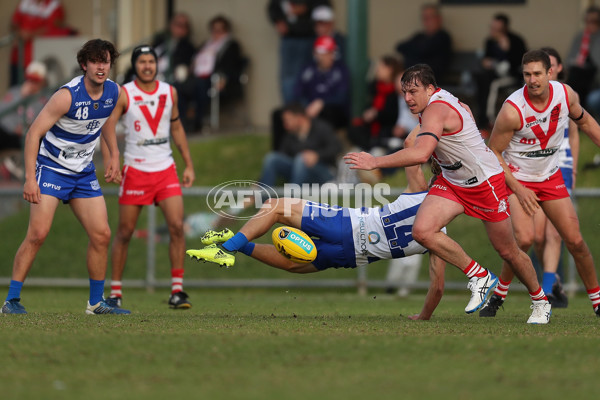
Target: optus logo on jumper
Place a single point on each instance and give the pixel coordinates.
(230, 199)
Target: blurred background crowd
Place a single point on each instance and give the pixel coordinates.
(272, 64)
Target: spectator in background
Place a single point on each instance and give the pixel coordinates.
(293, 22)
(376, 125)
(500, 67)
(584, 57)
(16, 122)
(386, 121)
(322, 87)
(221, 54)
(174, 49)
(432, 46)
(325, 26)
(307, 153)
(31, 19)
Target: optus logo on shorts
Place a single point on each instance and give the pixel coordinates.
(51, 185)
(230, 199)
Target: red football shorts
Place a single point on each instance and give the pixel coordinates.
(487, 201)
(553, 188)
(144, 188)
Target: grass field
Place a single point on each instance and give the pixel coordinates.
(293, 344)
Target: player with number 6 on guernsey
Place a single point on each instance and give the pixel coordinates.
(59, 147)
(472, 182)
(150, 113)
(342, 237)
(526, 138)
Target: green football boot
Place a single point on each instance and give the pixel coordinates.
(213, 254)
(214, 237)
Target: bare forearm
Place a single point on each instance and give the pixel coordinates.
(110, 140)
(574, 143)
(185, 155)
(31, 150)
(511, 181)
(432, 300)
(180, 141)
(403, 158)
(437, 269)
(591, 128)
(108, 150)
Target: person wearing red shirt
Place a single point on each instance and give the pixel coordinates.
(33, 18)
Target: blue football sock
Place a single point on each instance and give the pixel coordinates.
(547, 281)
(14, 290)
(238, 241)
(248, 248)
(96, 291)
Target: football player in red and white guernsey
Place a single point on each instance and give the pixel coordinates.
(526, 138)
(151, 117)
(472, 182)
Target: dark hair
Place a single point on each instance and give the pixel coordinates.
(294, 108)
(551, 51)
(504, 18)
(138, 51)
(419, 74)
(394, 63)
(593, 10)
(142, 49)
(432, 6)
(185, 17)
(220, 19)
(95, 51)
(537, 56)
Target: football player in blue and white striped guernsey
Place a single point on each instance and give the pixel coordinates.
(59, 147)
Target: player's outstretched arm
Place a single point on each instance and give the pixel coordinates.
(428, 136)
(57, 106)
(178, 134)
(507, 122)
(109, 147)
(437, 269)
(582, 118)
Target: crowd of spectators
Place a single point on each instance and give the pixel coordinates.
(312, 68)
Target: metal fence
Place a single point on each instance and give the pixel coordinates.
(362, 283)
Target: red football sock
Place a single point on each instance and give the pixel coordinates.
(594, 295)
(502, 288)
(538, 295)
(475, 270)
(176, 280)
(115, 289)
